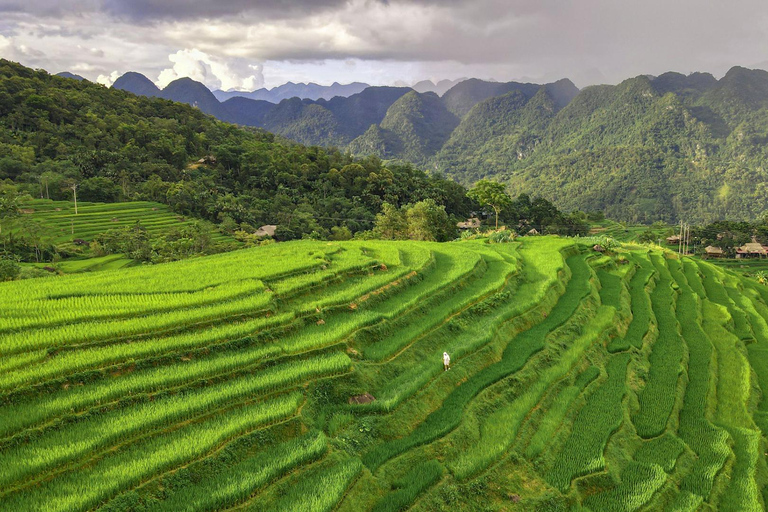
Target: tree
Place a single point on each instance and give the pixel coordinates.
(428, 221)
(9, 204)
(99, 190)
(490, 193)
(391, 223)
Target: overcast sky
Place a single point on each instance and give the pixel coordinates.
(247, 44)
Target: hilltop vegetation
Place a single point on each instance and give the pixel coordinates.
(308, 376)
(56, 132)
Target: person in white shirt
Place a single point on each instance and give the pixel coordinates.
(446, 361)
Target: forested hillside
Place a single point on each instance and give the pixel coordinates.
(650, 148)
(646, 149)
(57, 132)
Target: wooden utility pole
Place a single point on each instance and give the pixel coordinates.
(689, 237)
(74, 191)
(680, 241)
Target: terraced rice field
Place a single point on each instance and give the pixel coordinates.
(308, 376)
(95, 218)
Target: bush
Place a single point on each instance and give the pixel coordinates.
(501, 237)
(606, 242)
(34, 272)
(9, 270)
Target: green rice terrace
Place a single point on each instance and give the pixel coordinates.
(95, 218)
(309, 376)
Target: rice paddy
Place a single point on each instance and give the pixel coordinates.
(309, 376)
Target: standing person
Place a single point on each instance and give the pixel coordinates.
(446, 361)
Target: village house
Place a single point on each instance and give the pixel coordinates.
(752, 250)
(268, 230)
(711, 251)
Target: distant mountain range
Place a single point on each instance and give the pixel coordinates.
(355, 112)
(652, 147)
(310, 91)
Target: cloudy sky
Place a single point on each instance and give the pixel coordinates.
(247, 44)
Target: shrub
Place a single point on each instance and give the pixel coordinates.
(501, 237)
(9, 270)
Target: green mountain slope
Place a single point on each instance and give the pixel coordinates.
(650, 148)
(643, 150)
(415, 127)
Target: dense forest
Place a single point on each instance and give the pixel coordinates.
(651, 148)
(647, 149)
(56, 132)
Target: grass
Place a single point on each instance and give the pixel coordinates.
(74, 440)
(86, 486)
(657, 398)
(639, 482)
(239, 481)
(413, 483)
(93, 218)
(597, 420)
(555, 416)
(709, 443)
(641, 307)
(230, 382)
(448, 416)
(498, 430)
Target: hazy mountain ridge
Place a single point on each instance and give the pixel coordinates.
(439, 88)
(73, 76)
(288, 90)
(137, 84)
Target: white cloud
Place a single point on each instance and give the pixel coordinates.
(213, 72)
(109, 79)
(5, 44)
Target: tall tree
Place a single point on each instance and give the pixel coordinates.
(9, 204)
(490, 193)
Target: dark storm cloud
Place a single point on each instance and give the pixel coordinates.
(50, 7)
(184, 9)
(599, 40)
(146, 10)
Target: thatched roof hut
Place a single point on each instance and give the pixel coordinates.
(713, 252)
(267, 230)
(752, 250)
